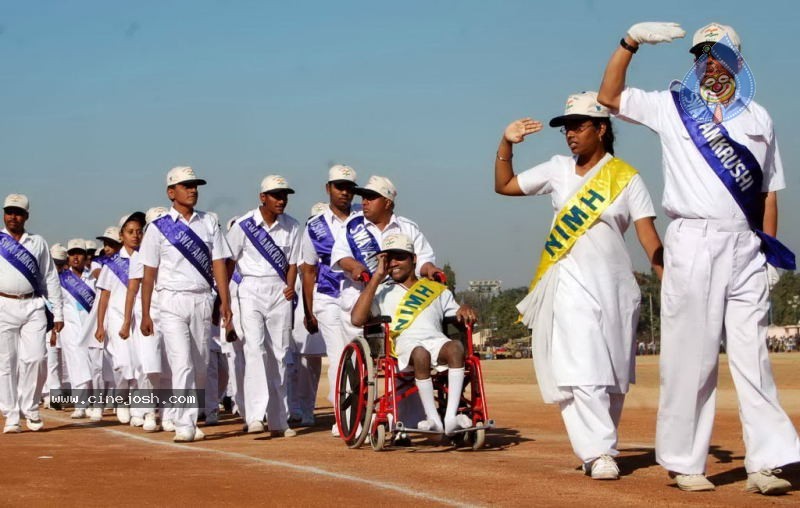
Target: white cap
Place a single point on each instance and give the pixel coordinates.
(232, 221)
(154, 213)
(341, 173)
(183, 174)
(398, 241)
(275, 183)
(579, 106)
(318, 209)
(76, 243)
(713, 33)
(132, 216)
(379, 185)
(91, 246)
(111, 233)
(58, 252)
(17, 201)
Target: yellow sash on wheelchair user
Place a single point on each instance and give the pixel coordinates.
(581, 212)
(416, 299)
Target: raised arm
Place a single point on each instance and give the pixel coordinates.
(616, 69)
(505, 181)
(361, 310)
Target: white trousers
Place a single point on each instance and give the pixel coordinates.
(267, 324)
(22, 353)
(303, 385)
(714, 290)
(591, 417)
(55, 376)
(185, 321)
(329, 320)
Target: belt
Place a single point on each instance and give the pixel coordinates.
(26, 296)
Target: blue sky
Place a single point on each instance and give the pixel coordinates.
(99, 99)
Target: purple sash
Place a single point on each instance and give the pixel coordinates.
(77, 288)
(265, 246)
(236, 277)
(101, 260)
(328, 281)
(362, 244)
(191, 246)
(119, 266)
(21, 258)
(741, 174)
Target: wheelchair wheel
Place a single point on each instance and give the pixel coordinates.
(378, 438)
(355, 394)
(476, 438)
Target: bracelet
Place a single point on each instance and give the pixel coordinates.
(627, 46)
(504, 160)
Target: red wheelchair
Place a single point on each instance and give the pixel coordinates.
(366, 408)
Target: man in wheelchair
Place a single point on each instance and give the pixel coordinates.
(417, 307)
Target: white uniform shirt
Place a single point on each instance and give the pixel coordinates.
(428, 323)
(597, 297)
(75, 316)
(397, 224)
(175, 272)
(691, 188)
(109, 281)
(13, 282)
(309, 254)
(285, 232)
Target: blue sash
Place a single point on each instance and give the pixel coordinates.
(741, 174)
(236, 277)
(265, 246)
(101, 260)
(362, 244)
(77, 288)
(21, 258)
(328, 281)
(119, 266)
(191, 246)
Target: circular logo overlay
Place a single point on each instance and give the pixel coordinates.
(720, 82)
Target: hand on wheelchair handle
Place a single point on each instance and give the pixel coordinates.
(364, 277)
(440, 277)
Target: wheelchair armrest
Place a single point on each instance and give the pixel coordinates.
(378, 320)
(453, 320)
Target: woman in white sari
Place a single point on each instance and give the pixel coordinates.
(584, 304)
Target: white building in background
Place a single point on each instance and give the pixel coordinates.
(490, 288)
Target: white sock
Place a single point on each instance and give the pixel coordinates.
(425, 387)
(455, 380)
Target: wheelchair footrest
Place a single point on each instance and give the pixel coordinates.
(486, 426)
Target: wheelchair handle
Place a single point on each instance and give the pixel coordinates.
(364, 277)
(440, 277)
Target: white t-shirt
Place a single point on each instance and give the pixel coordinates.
(285, 232)
(428, 323)
(108, 281)
(691, 188)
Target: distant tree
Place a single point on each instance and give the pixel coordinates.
(650, 309)
(785, 300)
(451, 277)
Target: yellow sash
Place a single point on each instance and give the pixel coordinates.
(582, 210)
(416, 299)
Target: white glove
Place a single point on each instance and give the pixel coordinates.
(772, 276)
(654, 32)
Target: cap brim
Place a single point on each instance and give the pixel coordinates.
(397, 250)
(7, 208)
(362, 191)
(559, 121)
(287, 190)
(699, 48)
(136, 216)
(105, 238)
(343, 180)
(196, 181)
(70, 251)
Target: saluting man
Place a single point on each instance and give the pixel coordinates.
(722, 168)
(28, 283)
(184, 254)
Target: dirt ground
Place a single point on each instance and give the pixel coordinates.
(527, 460)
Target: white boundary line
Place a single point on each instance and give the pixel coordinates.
(187, 447)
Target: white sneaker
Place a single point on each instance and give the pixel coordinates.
(335, 431)
(603, 467)
(255, 427)
(12, 429)
(168, 425)
(283, 433)
(198, 434)
(430, 425)
(78, 413)
(150, 423)
(46, 402)
(692, 482)
(189, 436)
(95, 414)
(34, 424)
(136, 421)
(765, 482)
(458, 422)
(123, 414)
